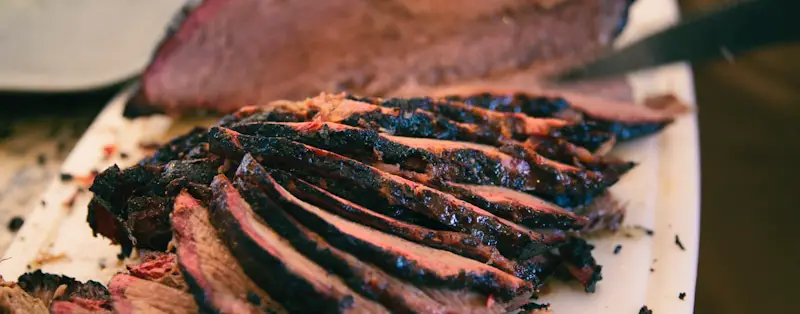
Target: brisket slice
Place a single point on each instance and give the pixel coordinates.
(419, 123)
(623, 120)
(509, 124)
(449, 160)
(160, 268)
(213, 276)
(275, 265)
(49, 288)
(228, 53)
(419, 264)
(363, 278)
(368, 199)
(456, 242)
(134, 295)
(507, 203)
(510, 238)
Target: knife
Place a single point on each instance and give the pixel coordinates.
(723, 32)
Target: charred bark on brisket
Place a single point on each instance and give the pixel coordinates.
(419, 264)
(510, 238)
(132, 206)
(579, 262)
(216, 281)
(275, 265)
(48, 288)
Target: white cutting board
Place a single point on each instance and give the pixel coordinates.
(662, 193)
(65, 45)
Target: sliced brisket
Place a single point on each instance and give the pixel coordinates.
(355, 111)
(596, 116)
(453, 161)
(215, 279)
(134, 295)
(275, 265)
(366, 279)
(509, 237)
(456, 242)
(419, 264)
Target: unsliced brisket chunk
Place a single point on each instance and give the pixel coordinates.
(419, 264)
(134, 295)
(453, 212)
(227, 53)
(275, 265)
(215, 279)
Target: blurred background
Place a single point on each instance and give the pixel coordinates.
(749, 110)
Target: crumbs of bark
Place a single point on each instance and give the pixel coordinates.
(678, 243)
(646, 230)
(682, 295)
(41, 159)
(15, 223)
(617, 249)
(645, 310)
(65, 177)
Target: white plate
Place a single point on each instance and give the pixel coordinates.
(662, 194)
(64, 45)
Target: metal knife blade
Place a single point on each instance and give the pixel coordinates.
(725, 31)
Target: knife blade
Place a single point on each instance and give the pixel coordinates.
(728, 30)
